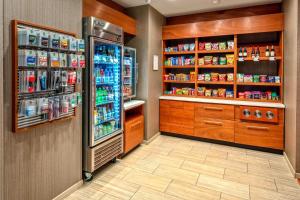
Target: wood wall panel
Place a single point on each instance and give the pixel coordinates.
(113, 5)
(243, 25)
(44, 162)
(225, 14)
(102, 11)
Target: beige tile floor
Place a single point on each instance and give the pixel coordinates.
(172, 168)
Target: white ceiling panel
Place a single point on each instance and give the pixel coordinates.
(182, 7)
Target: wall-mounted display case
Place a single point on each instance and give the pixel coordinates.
(46, 68)
(130, 76)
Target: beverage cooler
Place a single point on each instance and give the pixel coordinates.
(129, 73)
(103, 101)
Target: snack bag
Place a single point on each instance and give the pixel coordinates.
(230, 59)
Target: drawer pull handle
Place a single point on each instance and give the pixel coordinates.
(258, 128)
(214, 123)
(213, 108)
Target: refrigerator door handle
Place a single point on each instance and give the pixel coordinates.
(136, 73)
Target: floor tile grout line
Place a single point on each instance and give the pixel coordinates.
(136, 191)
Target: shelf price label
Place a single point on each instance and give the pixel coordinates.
(256, 59)
(272, 58)
(241, 59)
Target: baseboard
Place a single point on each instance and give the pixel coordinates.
(152, 138)
(290, 166)
(69, 191)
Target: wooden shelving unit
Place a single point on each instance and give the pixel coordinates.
(262, 66)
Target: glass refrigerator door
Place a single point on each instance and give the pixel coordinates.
(129, 73)
(107, 90)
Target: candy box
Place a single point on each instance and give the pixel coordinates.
(201, 77)
(248, 78)
(208, 93)
(43, 39)
(241, 95)
(240, 78)
(214, 76)
(277, 79)
(222, 92)
(54, 41)
(201, 91)
(201, 61)
(222, 60)
(256, 95)
(215, 60)
(230, 44)
(64, 42)
(271, 79)
(207, 77)
(215, 93)
(255, 78)
(42, 58)
(229, 94)
(201, 45)
(222, 45)
(208, 46)
(222, 77)
(54, 59)
(263, 78)
(186, 47)
(215, 46)
(230, 59)
(248, 95)
(80, 45)
(207, 60)
(230, 77)
(192, 47)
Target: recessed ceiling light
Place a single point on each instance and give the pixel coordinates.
(215, 1)
(147, 1)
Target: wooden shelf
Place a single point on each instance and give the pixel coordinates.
(215, 66)
(178, 95)
(175, 81)
(260, 84)
(258, 100)
(179, 52)
(215, 82)
(205, 97)
(179, 67)
(216, 51)
(261, 59)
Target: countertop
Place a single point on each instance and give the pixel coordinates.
(132, 104)
(223, 101)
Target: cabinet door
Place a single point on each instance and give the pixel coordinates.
(215, 129)
(134, 133)
(259, 134)
(177, 117)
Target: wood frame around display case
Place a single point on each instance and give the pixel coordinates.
(267, 26)
(15, 69)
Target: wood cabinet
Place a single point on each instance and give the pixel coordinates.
(133, 127)
(222, 122)
(177, 117)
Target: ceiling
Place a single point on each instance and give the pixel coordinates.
(181, 7)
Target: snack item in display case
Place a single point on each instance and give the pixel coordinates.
(270, 79)
(256, 95)
(186, 47)
(71, 77)
(54, 41)
(72, 60)
(201, 61)
(248, 95)
(56, 106)
(277, 79)
(229, 94)
(64, 78)
(215, 60)
(26, 58)
(208, 46)
(274, 96)
(240, 77)
(73, 44)
(222, 77)
(41, 81)
(264, 96)
(207, 77)
(64, 42)
(230, 77)
(80, 45)
(214, 76)
(208, 92)
(79, 77)
(222, 60)
(81, 61)
(192, 76)
(241, 95)
(230, 59)
(201, 77)
(201, 46)
(230, 44)
(256, 78)
(63, 60)
(222, 45)
(43, 39)
(54, 59)
(192, 47)
(215, 93)
(207, 60)
(248, 78)
(215, 46)
(201, 91)
(27, 37)
(222, 92)
(42, 58)
(263, 78)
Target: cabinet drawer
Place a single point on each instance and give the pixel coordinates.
(215, 129)
(177, 105)
(134, 133)
(259, 134)
(215, 111)
(177, 128)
